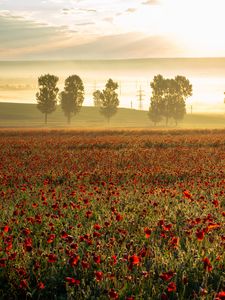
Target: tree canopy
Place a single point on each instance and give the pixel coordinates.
(47, 95)
(97, 95)
(109, 100)
(169, 98)
(73, 96)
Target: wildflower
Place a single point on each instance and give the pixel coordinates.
(72, 281)
(134, 259)
(113, 294)
(171, 287)
(147, 232)
(52, 258)
(40, 285)
(73, 261)
(200, 235)
(166, 276)
(98, 275)
(207, 265)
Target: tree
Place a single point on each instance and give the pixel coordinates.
(154, 112)
(47, 95)
(168, 97)
(97, 95)
(72, 97)
(109, 99)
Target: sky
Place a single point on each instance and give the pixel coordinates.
(103, 29)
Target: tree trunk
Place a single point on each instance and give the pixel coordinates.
(167, 119)
(46, 118)
(68, 118)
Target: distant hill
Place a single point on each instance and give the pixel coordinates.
(27, 115)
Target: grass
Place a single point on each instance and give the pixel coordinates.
(27, 115)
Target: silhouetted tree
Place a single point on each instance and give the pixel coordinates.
(169, 96)
(97, 95)
(47, 95)
(72, 97)
(109, 99)
(183, 91)
(154, 112)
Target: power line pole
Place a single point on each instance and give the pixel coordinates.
(140, 95)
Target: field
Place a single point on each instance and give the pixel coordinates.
(112, 214)
(27, 115)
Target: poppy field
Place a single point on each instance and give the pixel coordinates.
(112, 214)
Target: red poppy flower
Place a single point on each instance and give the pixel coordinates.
(113, 294)
(174, 242)
(51, 238)
(3, 262)
(88, 214)
(114, 258)
(64, 235)
(171, 287)
(28, 244)
(6, 228)
(187, 194)
(98, 275)
(166, 276)
(97, 259)
(207, 265)
(23, 284)
(220, 296)
(73, 261)
(72, 281)
(134, 259)
(164, 296)
(52, 258)
(85, 264)
(119, 217)
(167, 227)
(147, 232)
(97, 227)
(40, 285)
(200, 235)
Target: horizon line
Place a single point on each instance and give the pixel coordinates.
(111, 59)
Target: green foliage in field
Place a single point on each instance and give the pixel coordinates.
(112, 214)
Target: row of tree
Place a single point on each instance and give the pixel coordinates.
(72, 97)
(167, 101)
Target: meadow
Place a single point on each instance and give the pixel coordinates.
(25, 115)
(112, 214)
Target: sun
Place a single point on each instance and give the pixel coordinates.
(197, 26)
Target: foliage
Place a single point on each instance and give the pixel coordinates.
(109, 99)
(97, 95)
(112, 215)
(168, 98)
(47, 95)
(72, 97)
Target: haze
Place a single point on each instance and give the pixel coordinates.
(116, 30)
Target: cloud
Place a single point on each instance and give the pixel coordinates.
(108, 19)
(131, 10)
(18, 36)
(121, 46)
(151, 2)
(85, 24)
(72, 10)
